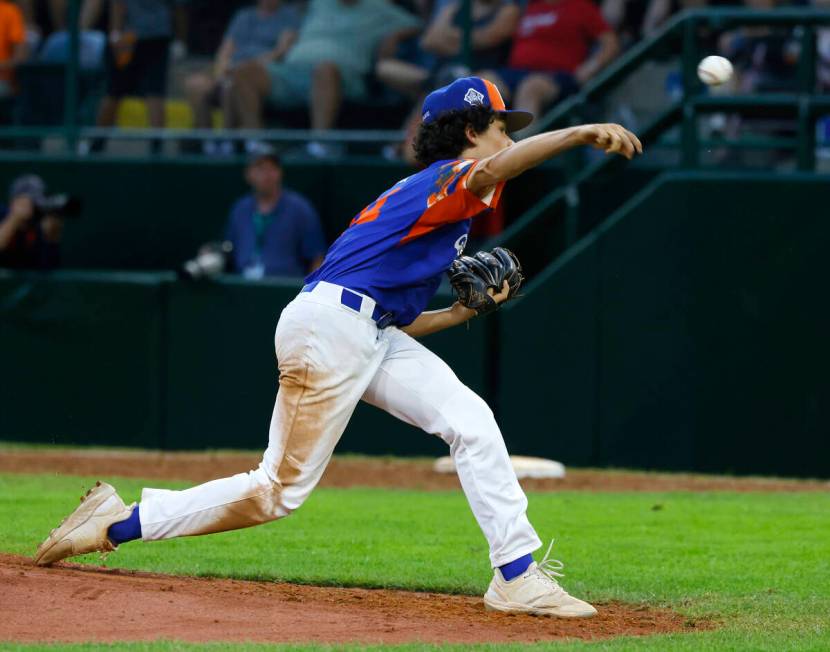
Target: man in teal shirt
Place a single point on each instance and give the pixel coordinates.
(274, 231)
(335, 49)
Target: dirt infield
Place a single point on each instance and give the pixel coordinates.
(76, 603)
(361, 471)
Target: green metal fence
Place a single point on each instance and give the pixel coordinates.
(679, 37)
(560, 218)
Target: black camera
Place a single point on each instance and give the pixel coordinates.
(33, 186)
(61, 205)
(213, 259)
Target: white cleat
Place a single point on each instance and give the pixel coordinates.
(536, 592)
(85, 529)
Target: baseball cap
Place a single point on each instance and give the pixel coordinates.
(471, 91)
(30, 185)
(259, 151)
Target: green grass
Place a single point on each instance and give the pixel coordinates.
(757, 563)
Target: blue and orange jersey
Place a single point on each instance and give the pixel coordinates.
(397, 248)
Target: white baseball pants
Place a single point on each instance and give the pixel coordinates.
(330, 357)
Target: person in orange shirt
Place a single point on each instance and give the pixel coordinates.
(12, 44)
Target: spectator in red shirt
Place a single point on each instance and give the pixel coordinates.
(559, 45)
(12, 44)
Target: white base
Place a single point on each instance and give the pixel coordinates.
(525, 467)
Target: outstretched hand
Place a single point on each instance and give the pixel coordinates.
(613, 139)
(503, 295)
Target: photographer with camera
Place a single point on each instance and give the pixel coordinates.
(32, 226)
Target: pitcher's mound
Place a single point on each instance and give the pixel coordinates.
(72, 603)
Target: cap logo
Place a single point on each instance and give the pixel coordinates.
(473, 96)
(425, 117)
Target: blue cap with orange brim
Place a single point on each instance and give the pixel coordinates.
(472, 91)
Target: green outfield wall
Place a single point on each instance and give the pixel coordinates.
(150, 215)
(147, 360)
(688, 332)
(145, 215)
(81, 358)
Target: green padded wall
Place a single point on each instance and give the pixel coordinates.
(146, 215)
(81, 359)
(146, 360)
(547, 390)
(222, 373)
(141, 214)
(688, 332)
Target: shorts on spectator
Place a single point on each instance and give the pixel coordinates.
(291, 84)
(146, 73)
(214, 96)
(566, 82)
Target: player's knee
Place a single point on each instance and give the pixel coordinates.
(288, 486)
(244, 74)
(327, 71)
(197, 85)
(470, 420)
(539, 87)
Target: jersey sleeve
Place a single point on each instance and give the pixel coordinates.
(449, 199)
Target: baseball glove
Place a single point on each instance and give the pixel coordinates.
(471, 276)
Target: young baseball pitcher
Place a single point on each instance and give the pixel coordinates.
(350, 335)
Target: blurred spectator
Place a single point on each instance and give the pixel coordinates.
(274, 231)
(765, 58)
(823, 50)
(208, 21)
(263, 33)
(560, 45)
(493, 23)
(91, 53)
(12, 44)
(32, 26)
(49, 17)
(626, 18)
(334, 54)
(659, 11)
(46, 17)
(140, 35)
(30, 230)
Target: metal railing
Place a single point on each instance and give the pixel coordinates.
(72, 132)
(679, 30)
(680, 37)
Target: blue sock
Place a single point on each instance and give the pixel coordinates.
(516, 567)
(127, 530)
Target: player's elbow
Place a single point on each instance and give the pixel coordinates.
(609, 46)
(488, 173)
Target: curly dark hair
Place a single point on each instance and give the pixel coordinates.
(446, 137)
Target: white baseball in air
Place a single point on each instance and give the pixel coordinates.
(714, 71)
